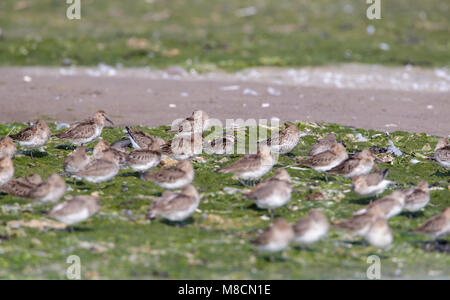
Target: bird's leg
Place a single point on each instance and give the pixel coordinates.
(326, 177)
(271, 213)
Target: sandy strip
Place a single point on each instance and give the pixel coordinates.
(372, 97)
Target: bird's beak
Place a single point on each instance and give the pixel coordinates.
(378, 160)
(109, 120)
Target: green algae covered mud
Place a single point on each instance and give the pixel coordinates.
(119, 242)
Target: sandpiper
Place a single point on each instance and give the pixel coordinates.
(75, 210)
(388, 206)
(49, 191)
(172, 177)
(436, 226)
(359, 224)
(360, 164)
(196, 123)
(417, 197)
(6, 170)
(86, 131)
(311, 229)
(285, 141)
(7, 147)
(34, 136)
(326, 160)
(144, 160)
(122, 144)
(100, 170)
(220, 146)
(442, 153)
(380, 234)
(276, 238)
(323, 145)
(21, 187)
(371, 184)
(273, 192)
(77, 160)
(183, 146)
(102, 148)
(142, 140)
(252, 166)
(175, 207)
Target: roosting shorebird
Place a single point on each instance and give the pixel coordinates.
(86, 131)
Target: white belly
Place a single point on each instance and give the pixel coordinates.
(180, 215)
(379, 240)
(144, 167)
(361, 170)
(176, 184)
(87, 140)
(311, 236)
(273, 247)
(256, 174)
(375, 189)
(35, 142)
(75, 217)
(100, 179)
(275, 200)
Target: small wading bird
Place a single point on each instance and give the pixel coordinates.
(323, 145)
(87, 131)
(380, 234)
(273, 192)
(372, 184)
(75, 210)
(442, 153)
(388, 206)
(7, 147)
(274, 239)
(21, 187)
(360, 164)
(326, 160)
(172, 177)
(437, 226)
(100, 170)
(285, 141)
(311, 229)
(220, 146)
(252, 166)
(417, 197)
(122, 145)
(102, 149)
(144, 160)
(33, 137)
(175, 207)
(49, 191)
(183, 146)
(196, 123)
(142, 140)
(6, 170)
(76, 161)
(359, 225)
